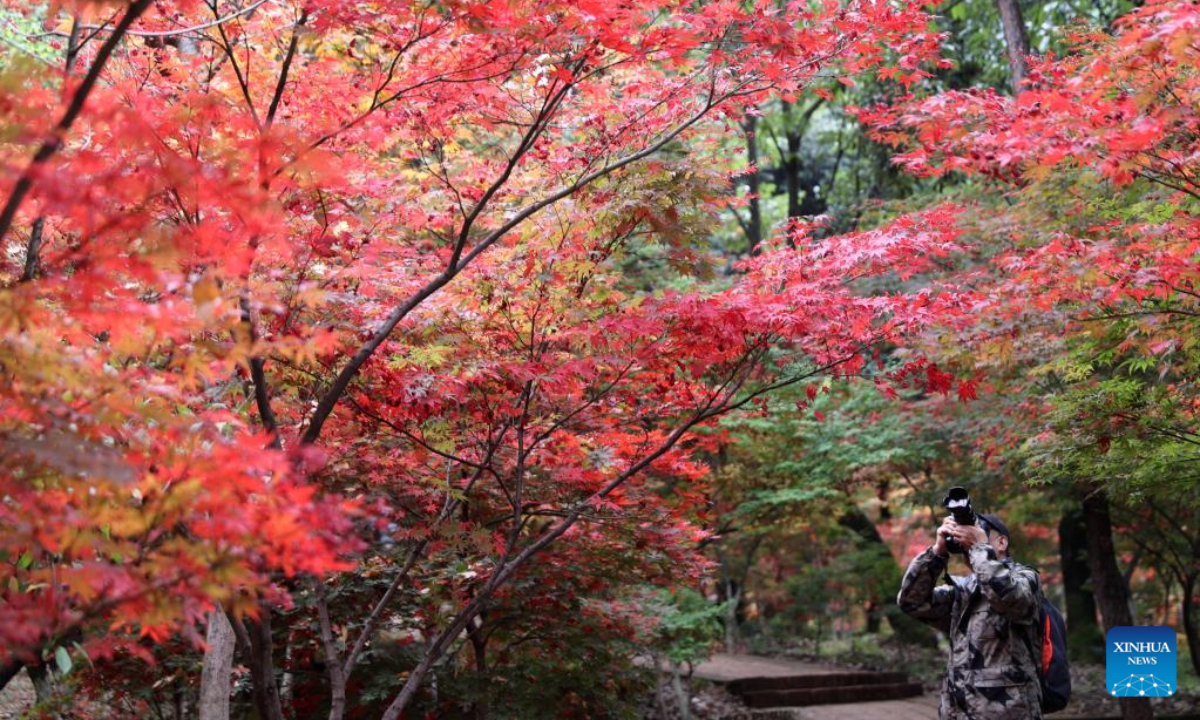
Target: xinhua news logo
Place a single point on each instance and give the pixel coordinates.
(1140, 661)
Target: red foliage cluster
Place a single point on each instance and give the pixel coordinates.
(266, 257)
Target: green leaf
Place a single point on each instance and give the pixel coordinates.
(82, 651)
(62, 658)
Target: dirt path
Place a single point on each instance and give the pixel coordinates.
(724, 667)
(918, 708)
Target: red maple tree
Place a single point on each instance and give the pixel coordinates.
(298, 284)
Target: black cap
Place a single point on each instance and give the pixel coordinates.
(995, 523)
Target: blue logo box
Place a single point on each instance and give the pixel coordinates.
(1140, 661)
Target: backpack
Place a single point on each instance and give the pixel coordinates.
(1054, 670)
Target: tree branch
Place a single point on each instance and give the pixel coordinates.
(332, 396)
(283, 71)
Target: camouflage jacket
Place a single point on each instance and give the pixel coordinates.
(988, 616)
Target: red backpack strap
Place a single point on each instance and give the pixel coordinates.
(1047, 644)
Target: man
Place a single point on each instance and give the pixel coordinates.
(988, 616)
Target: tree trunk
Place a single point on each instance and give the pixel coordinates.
(1112, 594)
(791, 171)
(682, 699)
(754, 227)
(218, 668)
(733, 587)
(262, 668)
(1083, 632)
(874, 617)
(481, 708)
(1016, 41)
(732, 592)
(1189, 620)
(789, 162)
(660, 690)
(43, 682)
(333, 660)
(801, 195)
(286, 677)
(258, 648)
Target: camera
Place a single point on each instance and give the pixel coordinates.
(958, 502)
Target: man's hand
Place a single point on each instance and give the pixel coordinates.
(945, 531)
(968, 535)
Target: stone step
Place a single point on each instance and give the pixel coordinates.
(802, 682)
(795, 697)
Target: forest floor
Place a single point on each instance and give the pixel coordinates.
(722, 668)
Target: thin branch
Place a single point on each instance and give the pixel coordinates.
(283, 71)
(262, 394)
(337, 678)
(27, 51)
(332, 396)
(376, 615)
(32, 250)
(243, 82)
(96, 29)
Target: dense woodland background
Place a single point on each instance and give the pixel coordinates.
(184, 287)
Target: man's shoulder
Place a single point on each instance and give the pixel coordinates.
(1027, 570)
